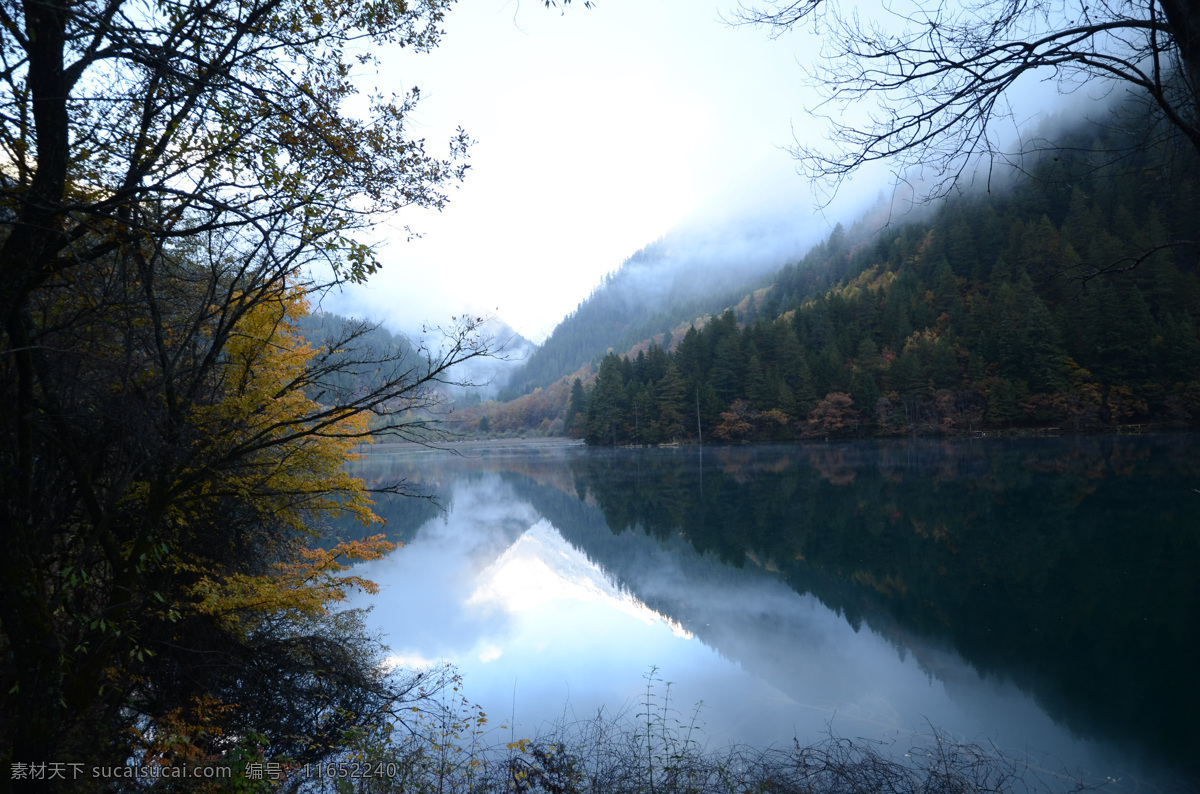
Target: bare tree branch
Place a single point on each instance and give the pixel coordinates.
(925, 86)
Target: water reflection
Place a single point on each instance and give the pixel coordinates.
(1041, 595)
(533, 624)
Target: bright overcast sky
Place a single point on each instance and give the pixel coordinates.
(597, 130)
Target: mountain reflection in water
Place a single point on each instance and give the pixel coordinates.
(1039, 594)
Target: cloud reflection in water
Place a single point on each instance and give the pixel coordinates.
(541, 632)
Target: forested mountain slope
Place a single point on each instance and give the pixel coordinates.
(687, 274)
(1068, 302)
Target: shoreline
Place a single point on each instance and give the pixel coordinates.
(469, 445)
(547, 443)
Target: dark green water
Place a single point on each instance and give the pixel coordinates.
(1041, 594)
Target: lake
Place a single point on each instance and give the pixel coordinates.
(1041, 595)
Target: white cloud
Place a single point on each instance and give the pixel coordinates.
(597, 130)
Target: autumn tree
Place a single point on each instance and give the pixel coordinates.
(168, 568)
(176, 178)
(246, 638)
(834, 416)
(737, 423)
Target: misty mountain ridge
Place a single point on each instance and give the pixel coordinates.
(484, 376)
(1062, 297)
(487, 375)
(703, 265)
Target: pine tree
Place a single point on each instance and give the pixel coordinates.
(608, 405)
(576, 421)
(671, 403)
(728, 368)
(756, 384)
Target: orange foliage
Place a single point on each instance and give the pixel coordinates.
(834, 415)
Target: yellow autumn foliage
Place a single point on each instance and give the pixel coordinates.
(294, 472)
(307, 584)
(297, 448)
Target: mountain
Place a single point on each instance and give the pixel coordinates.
(488, 375)
(694, 271)
(481, 377)
(1068, 302)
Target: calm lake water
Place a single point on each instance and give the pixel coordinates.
(1042, 595)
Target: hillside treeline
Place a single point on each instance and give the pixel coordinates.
(1065, 303)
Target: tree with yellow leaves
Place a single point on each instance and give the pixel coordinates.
(176, 178)
(184, 593)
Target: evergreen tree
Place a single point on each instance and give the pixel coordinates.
(691, 357)
(671, 403)
(804, 390)
(608, 406)
(575, 424)
(645, 428)
(756, 384)
(728, 368)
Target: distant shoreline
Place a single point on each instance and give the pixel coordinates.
(563, 442)
(470, 445)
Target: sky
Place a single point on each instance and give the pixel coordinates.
(597, 130)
